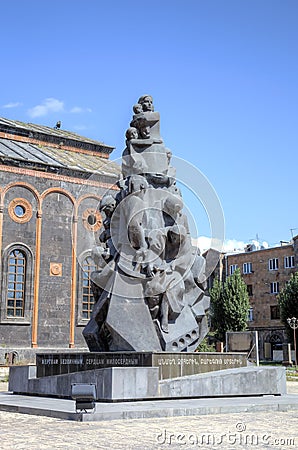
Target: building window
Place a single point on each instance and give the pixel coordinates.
(16, 285)
(250, 316)
(92, 219)
(274, 312)
(273, 264)
(20, 210)
(289, 262)
(247, 268)
(249, 289)
(233, 267)
(274, 287)
(88, 299)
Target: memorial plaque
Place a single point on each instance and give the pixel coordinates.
(61, 363)
(171, 365)
(174, 365)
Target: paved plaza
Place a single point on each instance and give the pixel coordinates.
(273, 429)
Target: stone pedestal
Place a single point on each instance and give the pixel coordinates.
(139, 383)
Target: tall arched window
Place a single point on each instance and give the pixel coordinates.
(16, 284)
(88, 267)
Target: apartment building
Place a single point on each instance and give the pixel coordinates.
(265, 272)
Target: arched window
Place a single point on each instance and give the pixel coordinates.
(16, 284)
(88, 267)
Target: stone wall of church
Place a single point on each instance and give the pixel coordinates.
(54, 222)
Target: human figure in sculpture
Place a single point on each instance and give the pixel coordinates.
(157, 301)
(132, 160)
(137, 108)
(142, 125)
(135, 212)
(147, 103)
(107, 205)
(179, 249)
(131, 133)
(172, 208)
(154, 261)
(145, 131)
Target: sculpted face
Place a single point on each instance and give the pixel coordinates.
(109, 208)
(147, 104)
(107, 204)
(132, 133)
(174, 237)
(137, 109)
(173, 205)
(145, 132)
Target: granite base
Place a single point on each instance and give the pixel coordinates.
(136, 383)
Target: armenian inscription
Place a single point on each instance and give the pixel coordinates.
(176, 365)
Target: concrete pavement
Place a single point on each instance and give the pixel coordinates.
(240, 430)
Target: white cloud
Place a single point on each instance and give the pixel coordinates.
(78, 109)
(53, 105)
(12, 105)
(48, 105)
(232, 245)
(229, 245)
(202, 242)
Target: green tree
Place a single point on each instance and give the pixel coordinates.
(288, 303)
(229, 305)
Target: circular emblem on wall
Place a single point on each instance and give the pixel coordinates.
(92, 219)
(20, 210)
(56, 269)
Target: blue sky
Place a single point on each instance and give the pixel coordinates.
(223, 75)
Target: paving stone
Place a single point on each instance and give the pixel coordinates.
(259, 430)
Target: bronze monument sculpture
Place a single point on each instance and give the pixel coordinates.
(149, 288)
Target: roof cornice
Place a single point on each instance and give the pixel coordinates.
(58, 138)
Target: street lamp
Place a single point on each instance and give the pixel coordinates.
(293, 323)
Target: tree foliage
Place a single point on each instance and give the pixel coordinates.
(205, 347)
(207, 344)
(288, 303)
(229, 305)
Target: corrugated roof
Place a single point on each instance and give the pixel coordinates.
(56, 132)
(23, 152)
(81, 161)
(56, 157)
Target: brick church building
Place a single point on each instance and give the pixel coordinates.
(50, 186)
